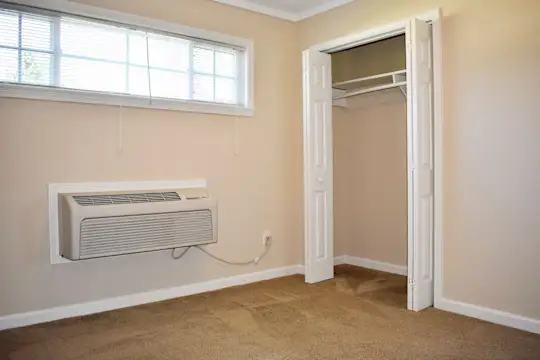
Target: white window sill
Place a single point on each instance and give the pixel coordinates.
(89, 97)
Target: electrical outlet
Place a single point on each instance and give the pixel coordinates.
(267, 238)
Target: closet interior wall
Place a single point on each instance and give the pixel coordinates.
(370, 158)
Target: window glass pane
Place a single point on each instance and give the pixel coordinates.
(137, 48)
(203, 60)
(8, 65)
(95, 41)
(138, 80)
(165, 84)
(36, 32)
(165, 52)
(36, 68)
(9, 28)
(225, 64)
(168, 53)
(203, 87)
(168, 84)
(225, 90)
(92, 75)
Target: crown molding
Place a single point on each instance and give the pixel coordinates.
(285, 15)
(247, 5)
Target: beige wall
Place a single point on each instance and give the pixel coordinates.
(44, 142)
(343, 216)
(491, 168)
(370, 177)
(371, 59)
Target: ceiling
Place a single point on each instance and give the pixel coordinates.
(293, 10)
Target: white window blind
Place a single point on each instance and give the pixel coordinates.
(46, 48)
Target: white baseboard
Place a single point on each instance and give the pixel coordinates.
(474, 311)
(375, 265)
(339, 260)
(490, 315)
(62, 312)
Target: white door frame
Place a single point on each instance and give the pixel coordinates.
(383, 32)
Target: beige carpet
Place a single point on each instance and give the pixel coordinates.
(359, 315)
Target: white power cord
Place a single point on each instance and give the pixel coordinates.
(249, 262)
(253, 261)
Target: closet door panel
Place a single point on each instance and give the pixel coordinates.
(420, 123)
(318, 177)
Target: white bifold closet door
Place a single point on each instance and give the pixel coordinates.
(420, 150)
(318, 209)
(318, 173)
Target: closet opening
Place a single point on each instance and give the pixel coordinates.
(369, 137)
(370, 100)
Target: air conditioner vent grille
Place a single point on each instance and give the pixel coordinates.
(127, 234)
(115, 199)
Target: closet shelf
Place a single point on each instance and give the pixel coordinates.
(369, 84)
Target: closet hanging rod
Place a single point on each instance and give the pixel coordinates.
(378, 76)
(372, 89)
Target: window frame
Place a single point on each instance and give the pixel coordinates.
(245, 64)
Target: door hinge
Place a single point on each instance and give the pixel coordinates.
(412, 282)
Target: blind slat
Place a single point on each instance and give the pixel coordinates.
(36, 32)
(102, 57)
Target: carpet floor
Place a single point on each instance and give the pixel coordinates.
(361, 314)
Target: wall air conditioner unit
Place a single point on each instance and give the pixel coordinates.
(94, 225)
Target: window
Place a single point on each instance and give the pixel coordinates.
(44, 49)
